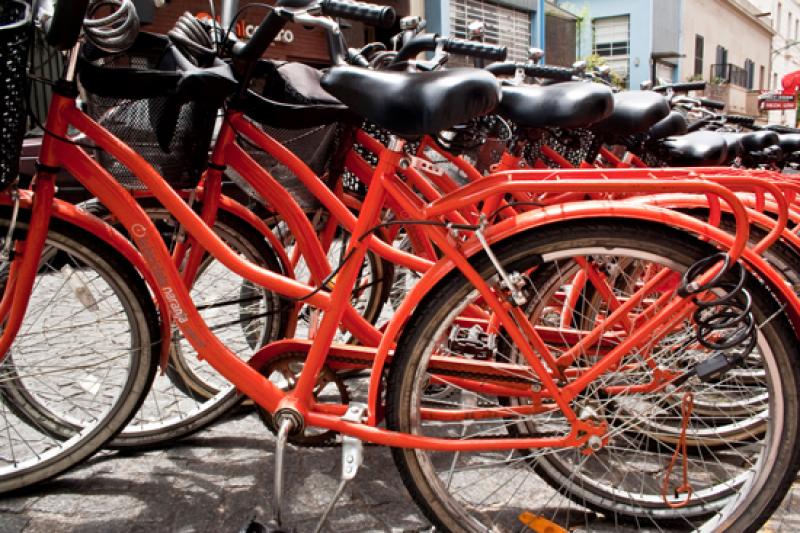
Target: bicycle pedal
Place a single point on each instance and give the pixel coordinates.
(540, 524)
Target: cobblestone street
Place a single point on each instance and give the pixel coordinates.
(219, 479)
(215, 481)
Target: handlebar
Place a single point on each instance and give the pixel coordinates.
(532, 70)
(711, 104)
(282, 14)
(681, 87)
(487, 51)
(740, 120)
(266, 32)
(429, 42)
(374, 15)
(64, 28)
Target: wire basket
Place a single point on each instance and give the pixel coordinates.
(288, 103)
(314, 146)
(15, 32)
(133, 95)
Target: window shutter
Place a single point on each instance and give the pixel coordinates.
(502, 25)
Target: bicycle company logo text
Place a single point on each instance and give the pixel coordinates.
(139, 233)
(174, 305)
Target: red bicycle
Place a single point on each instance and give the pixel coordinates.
(480, 405)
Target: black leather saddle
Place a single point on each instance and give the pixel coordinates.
(634, 112)
(789, 142)
(698, 149)
(674, 124)
(562, 105)
(414, 103)
(753, 141)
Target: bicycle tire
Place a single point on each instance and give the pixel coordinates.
(76, 251)
(761, 494)
(201, 396)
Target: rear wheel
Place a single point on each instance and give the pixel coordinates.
(736, 483)
(244, 316)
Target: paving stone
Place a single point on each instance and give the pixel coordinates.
(220, 479)
(10, 523)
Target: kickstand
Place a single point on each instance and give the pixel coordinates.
(352, 458)
(274, 525)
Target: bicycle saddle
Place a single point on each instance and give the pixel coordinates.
(674, 124)
(752, 141)
(563, 105)
(634, 112)
(414, 103)
(789, 142)
(698, 149)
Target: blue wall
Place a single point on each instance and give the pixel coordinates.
(640, 12)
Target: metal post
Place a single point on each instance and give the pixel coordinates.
(541, 16)
(229, 9)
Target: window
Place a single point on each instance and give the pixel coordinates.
(722, 55)
(699, 44)
(796, 28)
(789, 25)
(750, 69)
(774, 82)
(611, 40)
(502, 25)
(778, 17)
(761, 73)
(720, 67)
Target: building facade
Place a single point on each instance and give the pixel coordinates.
(727, 43)
(513, 23)
(634, 37)
(295, 43)
(785, 21)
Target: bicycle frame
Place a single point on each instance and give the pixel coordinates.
(384, 183)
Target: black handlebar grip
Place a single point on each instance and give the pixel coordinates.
(421, 43)
(711, 104)
(550, 73)
(65, 27)
(491, 52)
(374, 15)
(682, 87)
(741, 120)
(689, 86)
(503, 69)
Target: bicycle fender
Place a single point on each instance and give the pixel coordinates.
(80, 218)
(551, 215)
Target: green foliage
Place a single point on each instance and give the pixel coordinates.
(595, 60)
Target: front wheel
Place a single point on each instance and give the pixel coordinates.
(736, 483)
(82, 361)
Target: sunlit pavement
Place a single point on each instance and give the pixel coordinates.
(218, 480)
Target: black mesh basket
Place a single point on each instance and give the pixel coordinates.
(314, 146)
(15, 33)
(135, 96)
